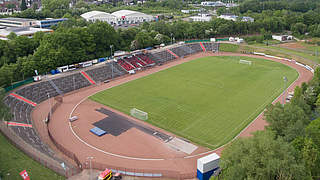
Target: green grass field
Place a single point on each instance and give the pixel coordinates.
(208, 100)
(13, 161)
(226, 47)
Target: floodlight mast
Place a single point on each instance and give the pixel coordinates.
(284, 89)
(111, 46)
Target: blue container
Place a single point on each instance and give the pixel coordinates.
(53, 72)
(204, 176)
(101, 59)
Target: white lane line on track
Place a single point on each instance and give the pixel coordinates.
(186, 157)
(248, 124)
(109, 153)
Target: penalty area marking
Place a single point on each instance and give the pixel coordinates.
(161, 159)
(247, 125)
(100, 150)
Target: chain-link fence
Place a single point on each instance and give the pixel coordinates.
(35, 154)
(139, 172)
(103, 166)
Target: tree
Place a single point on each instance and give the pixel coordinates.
(11, 6)
(286, 121)
(23, 5)
(299, 28)
(313, 131)
(144, 40)
(104, 35)
(53, 5)
(64, 47)
(261, 157)
(7, 75)
(12, 36)
(82, 4)
(5, 113)
(221, 10)
(299, 99)
(311, 157)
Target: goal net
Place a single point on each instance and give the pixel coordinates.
(245, 62)
(139, 114)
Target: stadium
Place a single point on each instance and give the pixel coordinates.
(149, 113)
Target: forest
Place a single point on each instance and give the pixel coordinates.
(289, 148)
(76, 40)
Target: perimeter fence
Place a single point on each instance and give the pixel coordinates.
(139, 172)
(103, 166)
(36, 155)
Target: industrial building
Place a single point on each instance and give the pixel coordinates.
(23, 22)
(282, 38)
(118, 18)
(233, 17)
(46, 23)
(213, 4)
(20, 31)
(17, 22)
(201, 18)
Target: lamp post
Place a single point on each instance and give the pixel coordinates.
(49, 106)
(171, 39)
(90, 158)
(284, 89)
(111, 46)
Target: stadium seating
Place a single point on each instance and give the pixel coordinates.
(180, 51)
(22, 112)
(125, 65)
(71, 82)
(104, 72)
(162, 56)
(38, 92)
(137, 63)
(146, 59)
(188, 49)
(211, 46)
(196, 48)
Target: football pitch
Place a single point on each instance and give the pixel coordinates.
(208, 100)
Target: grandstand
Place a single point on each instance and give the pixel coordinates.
(21, 114)
(180, 51)
(137, 63)
(38, 92)
(146, 59)
(71, 82)
(65, 83)
(210, 46)
(195, 47)
(104, 72)
(162, 56)
(125, 65)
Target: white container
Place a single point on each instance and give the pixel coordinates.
(208, 163)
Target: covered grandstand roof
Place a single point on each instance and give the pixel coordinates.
(92, 14)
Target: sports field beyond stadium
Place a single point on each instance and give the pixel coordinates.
(208, 100)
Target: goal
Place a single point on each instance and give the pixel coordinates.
(245, 62)
(139, 114)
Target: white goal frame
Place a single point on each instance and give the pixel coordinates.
(242, 61)
(139, 114)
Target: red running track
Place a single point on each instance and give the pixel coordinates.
(132, 143)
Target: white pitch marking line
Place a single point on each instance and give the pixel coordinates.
(146, 159)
